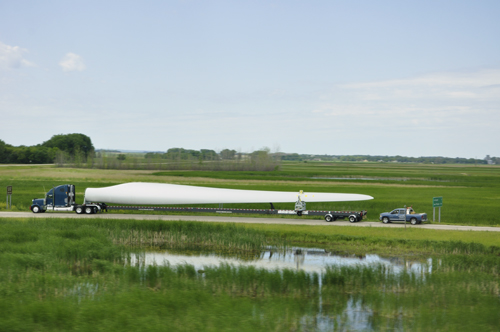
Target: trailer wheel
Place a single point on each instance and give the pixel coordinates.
(353, 218)
(79, 210)
(385, 220)
(413, 221)
(328, 218)
(89, 210)
(35, 209)
(299, 213)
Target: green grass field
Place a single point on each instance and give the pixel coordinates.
(471, 195)
(76, 275)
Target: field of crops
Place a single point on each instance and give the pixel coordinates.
(471, 194)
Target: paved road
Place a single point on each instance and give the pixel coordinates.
(246, 220)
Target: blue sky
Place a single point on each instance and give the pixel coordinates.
(413, 78)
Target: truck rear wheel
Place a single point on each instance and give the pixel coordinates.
(89, 210)
(328, 218)
(413, 221)
(79, 210)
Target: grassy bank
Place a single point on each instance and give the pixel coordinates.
(384, 240)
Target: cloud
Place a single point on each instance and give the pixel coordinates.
(476, 86)
(480, 78)
(13, 57)
(72, 62)
(448, 99)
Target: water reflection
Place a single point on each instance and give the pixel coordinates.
(337, 311)
(295, 258)
(355, 317)
(356, 314)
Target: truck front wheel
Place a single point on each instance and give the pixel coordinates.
(35, 209)
(385, 220)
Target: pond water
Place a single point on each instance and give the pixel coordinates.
(417, 306)
(355, 314)
(295, 258)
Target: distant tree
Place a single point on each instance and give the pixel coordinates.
(227, 154)
(291, 156)
(209, 154)
(3, 152)
(121, 157)
(71, 143)
(260, 156)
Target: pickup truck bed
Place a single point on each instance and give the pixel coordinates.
(403, 214)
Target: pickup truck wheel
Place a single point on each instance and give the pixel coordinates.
(328, 218)
(413, 221)
(385, 220)
(35, 209)
(79, 210)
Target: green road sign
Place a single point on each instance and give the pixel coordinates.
(437, 202)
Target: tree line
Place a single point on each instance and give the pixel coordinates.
(63, 148)
(186, 159)
(78, 150)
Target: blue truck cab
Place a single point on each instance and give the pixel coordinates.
(403, 214)
(60, 198)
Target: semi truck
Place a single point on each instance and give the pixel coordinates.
(62, 198)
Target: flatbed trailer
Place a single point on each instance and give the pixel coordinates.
(62, 199)
(329, 216)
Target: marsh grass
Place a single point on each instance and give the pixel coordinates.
(386, 241)
(69, 275)
(76, 275)
(448, 298)
(183, 235)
